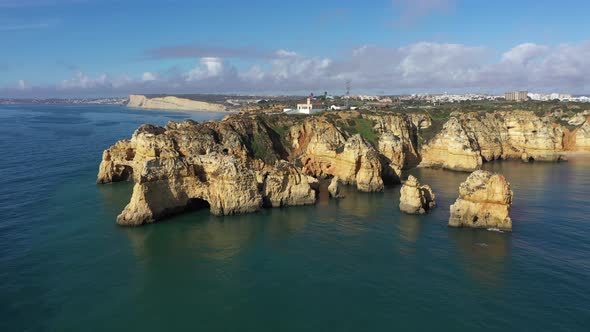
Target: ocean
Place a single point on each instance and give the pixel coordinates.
(355, 264)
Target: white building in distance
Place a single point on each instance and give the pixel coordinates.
(307, 108)
(516, 95)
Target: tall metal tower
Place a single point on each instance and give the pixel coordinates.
(348, 82)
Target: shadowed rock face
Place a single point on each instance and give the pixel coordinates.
(246, 162)
(416, 198)
(484, 201)
(468, 140)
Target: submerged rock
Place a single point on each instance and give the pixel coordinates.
(484, 201)
(416, 198)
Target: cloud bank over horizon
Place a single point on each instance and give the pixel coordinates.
(423, 67)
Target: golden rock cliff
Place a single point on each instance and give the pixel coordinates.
(468, 140)
(185, 165)
(247, 162)
(416, 198)
(581, 138)
(484, 201)
(328, 147)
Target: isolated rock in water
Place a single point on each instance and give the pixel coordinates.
(334, 187)
(416, 198)
(484, 202)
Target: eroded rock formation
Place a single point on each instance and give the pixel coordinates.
(187, 164)
(328, 147)
(416, 198)
(334, 188)
(484, 201)
(581, 138)
(247, 162)
(468, 140)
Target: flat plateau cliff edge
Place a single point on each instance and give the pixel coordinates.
(173, 103)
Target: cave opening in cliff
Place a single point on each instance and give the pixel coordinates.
(125, 174)
(195, 204)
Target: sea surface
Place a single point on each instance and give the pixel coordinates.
(355, 264)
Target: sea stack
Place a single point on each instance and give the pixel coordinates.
(334, 188)
(416, 198)
(484, 202)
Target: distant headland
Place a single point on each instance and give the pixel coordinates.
(173, 103)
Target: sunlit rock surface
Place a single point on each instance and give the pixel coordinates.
(484, 201)
(416, 198)
(247, 162)
(468, 140)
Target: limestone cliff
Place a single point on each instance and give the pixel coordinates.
(581, 138)
(325, 151)
(183, 165)
(484, 202)
(468, 140)
(173, 103)
(337, 147)
(247, 162)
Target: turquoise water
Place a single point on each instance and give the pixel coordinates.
(355, 264)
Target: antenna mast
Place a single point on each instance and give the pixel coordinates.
(348, 82)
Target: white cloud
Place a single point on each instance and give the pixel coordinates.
(209, 67)
(524, 53)
(419, 67)
(255, 73)
(22, 85)
(83, 81)
(148, 76)
(285, 53)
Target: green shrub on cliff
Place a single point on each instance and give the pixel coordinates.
(361, 126)
(260, 149)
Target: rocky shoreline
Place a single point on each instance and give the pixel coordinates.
(251, 161)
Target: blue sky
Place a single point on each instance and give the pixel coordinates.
(108, 47)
